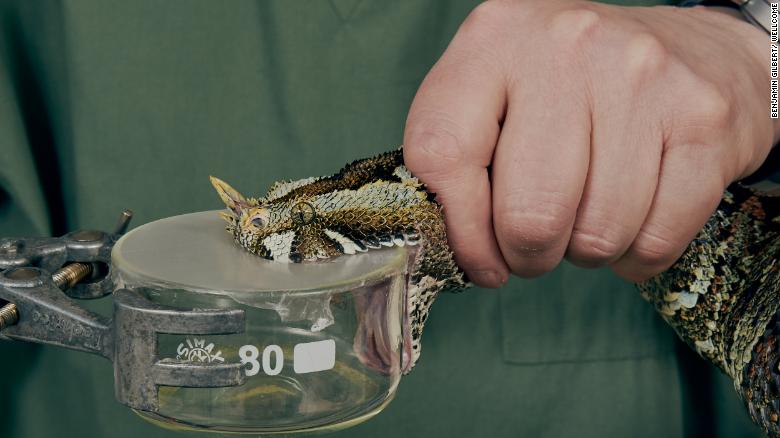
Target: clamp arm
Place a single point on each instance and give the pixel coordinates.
(40, 282)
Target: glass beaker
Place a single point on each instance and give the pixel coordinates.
(322, 349)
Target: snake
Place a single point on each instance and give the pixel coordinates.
(721, 296)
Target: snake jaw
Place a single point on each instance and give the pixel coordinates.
(228, 217)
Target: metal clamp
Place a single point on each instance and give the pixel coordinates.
(34, 273)
(137, 370)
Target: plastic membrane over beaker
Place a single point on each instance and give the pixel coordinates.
(323, 341)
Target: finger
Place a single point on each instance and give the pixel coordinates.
(625, 155)
(698, 161)
(540, 167)
(688, 192)
(449, 139)
(618, 193)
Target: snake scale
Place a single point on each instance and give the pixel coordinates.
(721, 297)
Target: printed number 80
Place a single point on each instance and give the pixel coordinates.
(249, 355)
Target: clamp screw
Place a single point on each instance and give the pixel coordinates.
(8, 316)
(64, 278)
(123, 222)
(70, 275)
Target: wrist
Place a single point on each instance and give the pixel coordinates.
(754, 42)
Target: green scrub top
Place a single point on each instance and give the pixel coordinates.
(106, 105)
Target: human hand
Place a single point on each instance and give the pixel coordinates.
(600, 133)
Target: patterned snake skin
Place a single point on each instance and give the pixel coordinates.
(721, 296)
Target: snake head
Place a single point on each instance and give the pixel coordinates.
(287, 229)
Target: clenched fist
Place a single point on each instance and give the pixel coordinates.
(599, 133)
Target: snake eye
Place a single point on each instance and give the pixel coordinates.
(256, 218)
(258, 222)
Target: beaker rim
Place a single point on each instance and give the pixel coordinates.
(194, 252)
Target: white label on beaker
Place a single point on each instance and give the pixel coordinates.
(310, 357)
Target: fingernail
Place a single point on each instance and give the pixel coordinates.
(488, 278)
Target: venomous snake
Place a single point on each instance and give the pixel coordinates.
(721, 297)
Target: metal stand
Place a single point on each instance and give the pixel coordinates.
(40, 280)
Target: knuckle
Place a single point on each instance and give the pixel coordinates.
(646, 59)
(575, 28)
(653, 249)
(594, 248)
(715, 107)
(485, 36)
(432, 143)
(486, 15)
(706, 106)
(704, 114)
(533, 232)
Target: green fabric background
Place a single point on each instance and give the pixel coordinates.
(106, 105)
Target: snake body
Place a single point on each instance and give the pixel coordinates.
(721, 297)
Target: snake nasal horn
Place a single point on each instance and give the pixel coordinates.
(233, 200)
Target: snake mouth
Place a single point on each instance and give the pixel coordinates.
(374, 344)
(378, 343)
